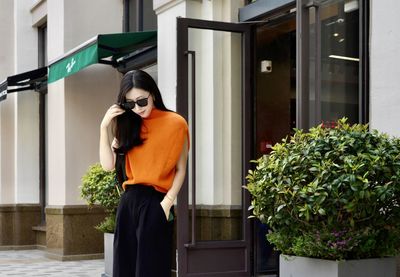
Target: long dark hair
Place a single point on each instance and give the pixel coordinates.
(127, 126)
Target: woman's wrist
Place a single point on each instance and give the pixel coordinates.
(103, 126)
(170, 198)
(166, 204)
(167, 201)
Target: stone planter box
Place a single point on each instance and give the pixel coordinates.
(108, 254)
(293, 266)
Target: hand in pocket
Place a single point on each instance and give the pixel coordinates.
(166, 208)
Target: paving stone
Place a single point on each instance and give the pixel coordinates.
(30, 263)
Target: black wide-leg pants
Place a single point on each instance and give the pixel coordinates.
(143, 235)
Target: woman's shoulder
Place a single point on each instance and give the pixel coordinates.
(175, 118)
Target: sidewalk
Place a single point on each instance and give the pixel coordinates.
(34, 263)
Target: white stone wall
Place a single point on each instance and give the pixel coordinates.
(166, 53)
(19, 182)
(56, 151)
(77, 103)
(26, 108)
(6, 107)
(89, 93)
(384, 67)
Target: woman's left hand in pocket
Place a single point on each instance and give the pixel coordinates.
(166, 205)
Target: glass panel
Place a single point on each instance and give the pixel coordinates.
(149, 16)
(339, 61)
(42, 46)
(312, 107)
(218, 134)
(132, 15)
(334, 62)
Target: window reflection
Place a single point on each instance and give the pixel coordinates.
(334, 62)
(339, 61)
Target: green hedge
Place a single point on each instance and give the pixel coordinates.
(331, 193)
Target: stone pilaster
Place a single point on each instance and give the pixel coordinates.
(70, 232)
(16, 222)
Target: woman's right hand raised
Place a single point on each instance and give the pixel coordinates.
(112, 112)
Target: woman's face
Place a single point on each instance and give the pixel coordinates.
(139, 98)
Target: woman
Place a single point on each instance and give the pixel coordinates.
(153, 143)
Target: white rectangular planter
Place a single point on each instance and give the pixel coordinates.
(293, 266)
(108, 254)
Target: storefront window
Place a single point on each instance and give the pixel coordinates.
(330, 80)
(141, 16)
(339, 61)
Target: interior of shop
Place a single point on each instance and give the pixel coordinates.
(275, 81)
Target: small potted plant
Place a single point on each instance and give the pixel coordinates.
(101, 187)
(333, 195)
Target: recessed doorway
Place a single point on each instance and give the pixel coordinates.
(275, 110)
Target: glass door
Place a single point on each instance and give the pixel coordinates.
(214, 94)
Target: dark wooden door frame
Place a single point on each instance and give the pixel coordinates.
(186, 242)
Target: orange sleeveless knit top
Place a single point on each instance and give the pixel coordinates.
(153, 162)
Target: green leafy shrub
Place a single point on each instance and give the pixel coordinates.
(100, 187)
(331, 193)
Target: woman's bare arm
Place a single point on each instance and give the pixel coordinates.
(106, 153)
(171, 195)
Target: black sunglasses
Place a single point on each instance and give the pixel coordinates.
(130, 105)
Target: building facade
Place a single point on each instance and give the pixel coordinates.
(243, 73)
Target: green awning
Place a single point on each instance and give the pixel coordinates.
(107, 49)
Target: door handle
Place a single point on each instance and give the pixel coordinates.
(193, 143)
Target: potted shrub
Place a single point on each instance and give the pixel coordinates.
(332, 195)
(100, 187)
